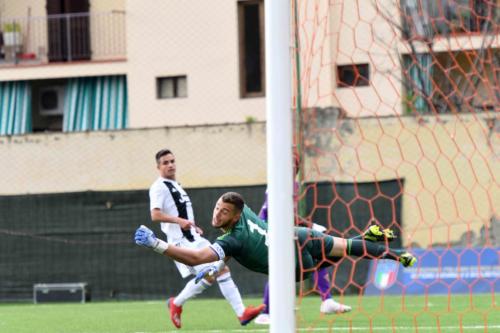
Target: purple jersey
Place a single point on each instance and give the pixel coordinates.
(263, 210)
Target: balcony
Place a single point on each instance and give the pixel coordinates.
(462, 81)
(64, 38)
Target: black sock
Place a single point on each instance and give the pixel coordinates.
(369, 250)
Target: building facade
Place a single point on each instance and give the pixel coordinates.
(121, 79)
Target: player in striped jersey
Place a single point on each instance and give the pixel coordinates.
(171, 207)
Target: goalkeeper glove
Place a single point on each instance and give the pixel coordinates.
(209, 271)
(145, 237)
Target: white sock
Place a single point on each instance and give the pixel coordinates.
(231, 293)
(191, 290)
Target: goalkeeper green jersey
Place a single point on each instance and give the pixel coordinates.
(247, 242)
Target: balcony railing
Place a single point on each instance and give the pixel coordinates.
(430, 18)
(62, 38)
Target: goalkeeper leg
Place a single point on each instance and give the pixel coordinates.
(369, 250)
(313, 246)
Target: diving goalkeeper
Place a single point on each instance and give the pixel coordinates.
(245, 239)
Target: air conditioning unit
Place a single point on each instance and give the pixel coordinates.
(51, 100)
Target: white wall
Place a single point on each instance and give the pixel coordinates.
(164, 41)
(124, 160)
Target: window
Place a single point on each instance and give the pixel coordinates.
(171, 87)
(417, 81)
(251, 48)
(68, 28)
(79, 104)
(428, 18)
(355, 75)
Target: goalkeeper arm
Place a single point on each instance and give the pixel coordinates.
(191, 257)
(311, 225)
(210, 271)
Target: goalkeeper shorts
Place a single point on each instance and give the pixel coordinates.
(199, 243)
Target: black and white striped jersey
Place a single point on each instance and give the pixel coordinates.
(168, 196)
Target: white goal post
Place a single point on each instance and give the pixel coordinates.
(280, 166)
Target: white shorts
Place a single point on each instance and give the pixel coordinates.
(199, 243)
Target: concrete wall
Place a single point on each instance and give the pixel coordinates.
(123, 160)
(450, 165)
(19, 8)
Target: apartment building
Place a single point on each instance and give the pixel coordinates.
(120, 78)
(88, 67)
(161, 67)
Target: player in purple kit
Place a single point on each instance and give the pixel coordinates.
(321, 279)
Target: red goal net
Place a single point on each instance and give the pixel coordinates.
(397, 124)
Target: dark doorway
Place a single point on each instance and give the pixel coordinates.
(68, 27)
(251, 45)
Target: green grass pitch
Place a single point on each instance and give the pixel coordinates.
(457, 313)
